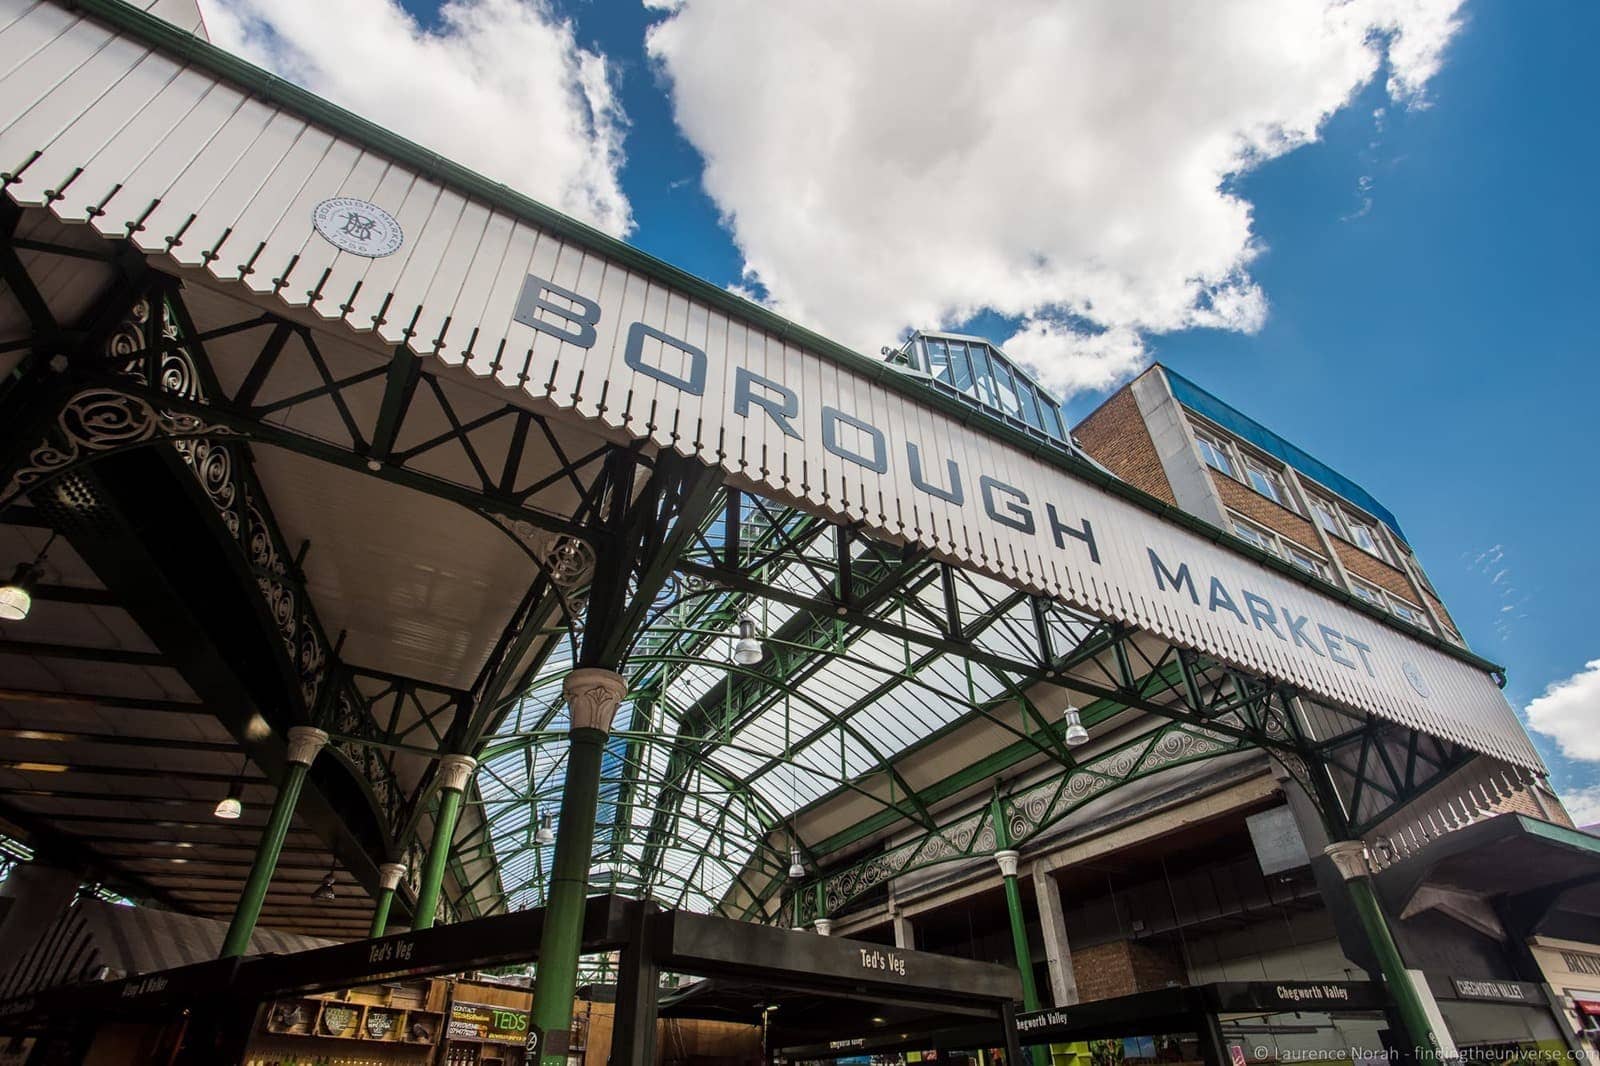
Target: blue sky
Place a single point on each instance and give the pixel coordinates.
(1397, 274)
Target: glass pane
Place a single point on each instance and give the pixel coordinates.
(1005, 388)
(1030, 404)
(961, 372)
(1215, 457)
(1052, 419)
(1265, 484)
(938, 361)
(981, 372)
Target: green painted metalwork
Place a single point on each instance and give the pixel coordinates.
(380, 912)
(1408, 1004)
(862, 638)
(248, 910)
(1028, 810)
(444, 828)
(569, 886)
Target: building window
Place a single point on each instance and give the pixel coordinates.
(1305, 560)
(1406, 611)
(1327, 516)
(1265, 541)
(1268, 483)
(1005, 388)
(1364, 537)
(1371, 593)
(1215, 455)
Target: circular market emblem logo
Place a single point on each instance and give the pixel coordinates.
(358, 227)
(1418, 682)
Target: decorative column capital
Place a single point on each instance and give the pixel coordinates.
(304, 743)
(823, 926)
(1349, 858)
(389, 875)
(1008, 862)
(593, 696)
(455, 771)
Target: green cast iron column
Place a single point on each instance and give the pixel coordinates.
(1350, 858)
(454, 773)
(822, 923)
(304, 743)
(389, 875)
(1006, 858)
(593, 696)
(1019, 930)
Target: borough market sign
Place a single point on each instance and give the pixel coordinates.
(571, 321)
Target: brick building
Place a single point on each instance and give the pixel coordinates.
(1178, 442)
(1217, 874)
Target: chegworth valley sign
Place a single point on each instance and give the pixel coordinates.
(117, 121)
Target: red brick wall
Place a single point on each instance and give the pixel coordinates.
(1375, 570)
(1115, 435)
(1444, 615)
(1123, 967)
(1256, 507)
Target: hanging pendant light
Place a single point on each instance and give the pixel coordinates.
(16, 595)
(231, 806)
(747, 649)
(546, 833)
(324, 892)
(1076, 735)
(797, 864)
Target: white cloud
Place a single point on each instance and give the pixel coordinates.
(500, 86)
(1569, 713)
(1074, 360)
(1583, 804)
(907, 163)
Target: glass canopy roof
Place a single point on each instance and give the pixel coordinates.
(709, 760)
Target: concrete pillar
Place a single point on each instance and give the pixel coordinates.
(905, 935)
(1057, 949)
(31, 900)
(1170, 432)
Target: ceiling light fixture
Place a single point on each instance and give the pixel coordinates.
(546, 833)
(1076, 735)
(16, 595)
(747, 649)
(797, 865)
(231, 806)
(324, 892)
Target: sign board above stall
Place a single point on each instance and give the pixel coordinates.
(213, 166)
(481, 1021)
